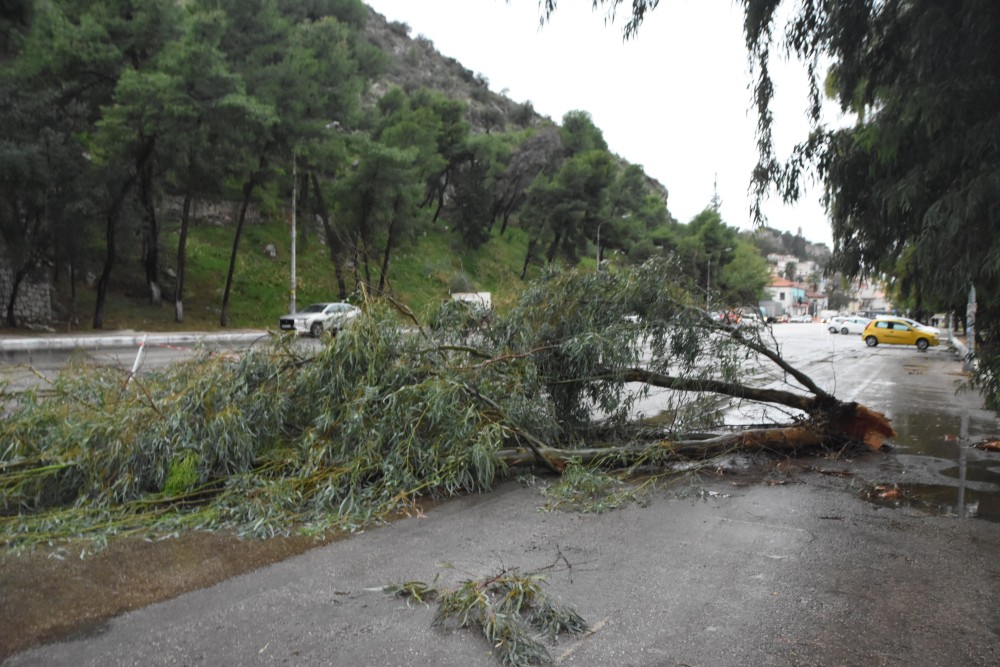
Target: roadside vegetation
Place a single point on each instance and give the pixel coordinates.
(909, 172)
(284, 438)
(157, 164)
(424, 275)
(145, 177)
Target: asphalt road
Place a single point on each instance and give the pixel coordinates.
(785, 564)
(34, 362)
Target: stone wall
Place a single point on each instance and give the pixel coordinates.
(219, 213)
(34, 297)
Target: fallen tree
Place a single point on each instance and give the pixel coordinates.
(597, 336)
(288, 438)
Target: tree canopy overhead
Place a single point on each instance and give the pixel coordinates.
(911, 187)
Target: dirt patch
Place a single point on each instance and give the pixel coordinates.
(52, 595)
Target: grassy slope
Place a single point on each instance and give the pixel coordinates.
(420, 276)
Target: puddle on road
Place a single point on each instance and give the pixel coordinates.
(938, 500)
(963, 481)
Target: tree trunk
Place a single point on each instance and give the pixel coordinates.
(324, 215)
(830, 415)
(790, 440)
(109, 258)
(506, 219)
(514, 200)
(182, 256)
(440, 194)
(856, 424)
(35, 242)
(553, 249)
(390, 240)
(110, 232)
(364, 238)
(15, 287)
(248, 189)
(528, 256)
(781, 397)
(152, 258)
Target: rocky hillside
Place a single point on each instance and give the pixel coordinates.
(414, 63)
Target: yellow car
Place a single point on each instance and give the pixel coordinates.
(894, 331)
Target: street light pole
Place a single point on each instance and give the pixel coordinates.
(970, 330)
(291, 306)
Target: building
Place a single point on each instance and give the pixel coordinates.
(869, 297)
(787, 296)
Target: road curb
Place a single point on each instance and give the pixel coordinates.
(129, 339)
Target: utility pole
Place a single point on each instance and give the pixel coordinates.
(295, 196)
(970, 329)
(716, 201)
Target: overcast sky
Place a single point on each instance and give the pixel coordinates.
(674, 100)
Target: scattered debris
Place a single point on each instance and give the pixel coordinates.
(508, 608)
(988, 445)
(887, 492)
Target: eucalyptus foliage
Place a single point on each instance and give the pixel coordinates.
(910, 181)
(277, 438)
(588, 490)
(508, 608)
(585, 330)
(286, 437)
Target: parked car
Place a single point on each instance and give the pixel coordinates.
(914, 324)
(897, 331)
(801, 318)
(833, 326)
(319, 317)
(850, 325)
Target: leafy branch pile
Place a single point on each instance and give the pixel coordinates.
(588, 490)
(262, 443)
(505, 607)
(283, 438)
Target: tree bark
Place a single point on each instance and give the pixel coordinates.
(182, 256)
(389, 242)
(152, 258)
(528, 256)
(248, 189)
(550, 254)
(736, 390)
(331, 244)
(856, 424)
(110, 232)
(36, 242)
(790, 439)
(440, 193)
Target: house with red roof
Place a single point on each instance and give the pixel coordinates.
(786, 297)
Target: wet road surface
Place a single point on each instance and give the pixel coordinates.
(789, 565)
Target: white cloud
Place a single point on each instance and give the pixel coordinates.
(675, 99)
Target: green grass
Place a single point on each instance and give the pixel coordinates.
(420, 275)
